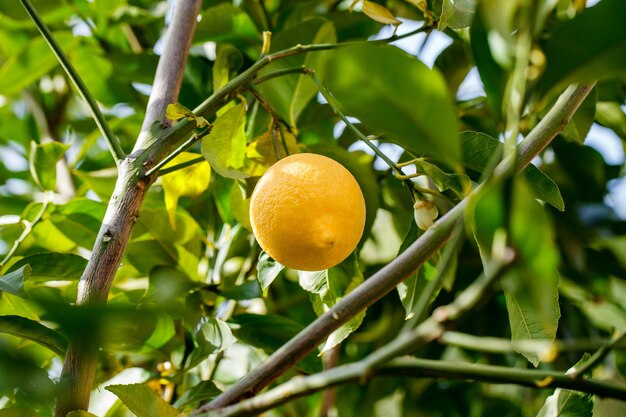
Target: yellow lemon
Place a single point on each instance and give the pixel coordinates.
(307, 212)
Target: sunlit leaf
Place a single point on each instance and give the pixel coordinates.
(328, 287)
(34, 61)
(261, 152)
(177, 111)
(42, 163)
(142, 401)
(190, 181)
(380, 13)
(568, 403)
(456, 14)
(225, 146)
(268, 269)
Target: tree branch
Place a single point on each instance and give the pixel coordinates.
(107, 133)
(169, 73)
(122, 213)
(417, 368)
(385, 280)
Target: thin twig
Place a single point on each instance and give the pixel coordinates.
(538, 347)
(599, 355)
(280, 73)
(335, 106)
(182, 165)
(107, 133)
(193, 139)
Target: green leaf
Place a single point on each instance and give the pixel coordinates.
(270, 333)
(456, 14)
(268, 269)
(79, 220)
(51, 266)
(611, 115)
(227, 23)
(13, 282)
(199, 393)
(534, 291)
(380, 13)
(290, 94)
(578, 52)
(225, 146)
(36, 60)
(328, 287)
(143, 332)
(567, 403)
(42, 163)
(142, 401)
(213, 336)
(603, 313)
(167, 285)
(455, 62)
(35, 331)
(478, 149)
(391, 91)
(240, 205)
(493, 76)
(190, 181)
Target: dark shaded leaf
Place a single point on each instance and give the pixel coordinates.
(35, 331)
(270, 332)
(579, 52)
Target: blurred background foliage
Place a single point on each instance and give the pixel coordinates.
(192, 310)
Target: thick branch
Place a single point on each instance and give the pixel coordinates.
(396, 271)
(169, 73)
(121, 215)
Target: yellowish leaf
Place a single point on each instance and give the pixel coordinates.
(380, 13)
(261, 153)
(190, 181)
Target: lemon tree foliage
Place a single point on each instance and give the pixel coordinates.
(419, 101)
